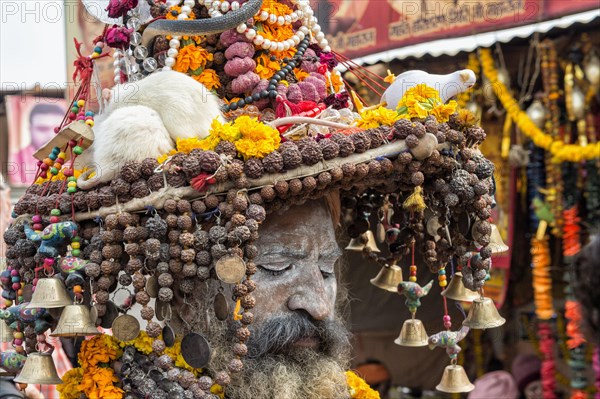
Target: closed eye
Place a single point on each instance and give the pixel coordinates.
(327, 275)
(275, 272)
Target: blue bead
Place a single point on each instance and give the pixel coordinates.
(442, 271)
(56, 150)
(53, 156)
(14, 215)
(89, 113)
(98, 50)
(15, 279)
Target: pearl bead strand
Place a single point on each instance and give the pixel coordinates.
(174, 44)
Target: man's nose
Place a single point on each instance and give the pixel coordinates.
(310, 295)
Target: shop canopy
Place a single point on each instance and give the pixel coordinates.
(370, 31)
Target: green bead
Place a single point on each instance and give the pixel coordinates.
(72, 178)
(54, 171)
(76, 239)
(75, 109)
(55, 212)
(72, 190)
(75, 252)
(77, 150)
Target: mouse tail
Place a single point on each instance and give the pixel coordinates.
(84, 183)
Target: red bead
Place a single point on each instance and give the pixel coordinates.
(54, 219)
(72, 116)
(44, 166)
(48, 261)
(56, 130)
(17, 342)
(72, 143)
(44, 174)
(36, 219)
(16, 286)
(60, 161)
(38, 227)
(68, 172)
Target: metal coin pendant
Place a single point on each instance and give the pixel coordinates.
(152, 287)
(112, 312)
(221, 307)
(433, 225)
(168, 335)
(27, 293)
(93, 315)
(464, 223)
(195, 350)
(230, 269)
(125, 328)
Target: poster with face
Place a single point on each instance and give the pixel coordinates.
(31, 123)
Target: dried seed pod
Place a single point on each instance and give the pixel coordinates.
(199, 207)
(250, 285)
(292, 158)
(295, 186)
(240, 204)
(153, 329)
(174, 250)
(240, 349)
(131, 171)
(156, 182)
(273, 162)
(374, 168)
(243, 334)
(188, 255)
(165, 294)
(362, 170)
(120, 186)
(226, 148)
(251, 252)
(185, 223)
(171, 220)
(170, 206)
(253, 168)
(417, 178)
(186, 239)
(203, 273)
(165, 280)
(142, 297)
(235, 366)
(324, 179)
(148, 166)
(187, 285)
(203, 258)
(281, 188)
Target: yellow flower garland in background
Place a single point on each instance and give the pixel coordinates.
(560, 151)
(358, 388)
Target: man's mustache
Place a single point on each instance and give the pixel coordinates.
(277, 334)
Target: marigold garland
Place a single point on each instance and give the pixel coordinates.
(421, 101)
(542, 281)
(379, 116)
(358, 388)
(69, 389)
(560, 151)
(191, 58)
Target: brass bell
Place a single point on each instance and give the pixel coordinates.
(38, 369)
(364, 240)
(483, 314)
(457, 291)
(412, 334)
(49, 293)
(455, 380)
(6, 333)
(496, 242)
(75, 321)
(388, 278)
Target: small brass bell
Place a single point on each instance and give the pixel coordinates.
(388, 278)
(483, 314)
(455, 380)
(50, 293)
(364, 240)
(457, 291)
(38, 369)
(75, 321)
(412, 334)
(371, 243)
(6, 333)
(496, 242)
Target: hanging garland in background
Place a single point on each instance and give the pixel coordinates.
(560, 151)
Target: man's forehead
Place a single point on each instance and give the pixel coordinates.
(299, 243)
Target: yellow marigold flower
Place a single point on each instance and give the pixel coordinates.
(373, 118)
(300, 74)
(265, 68)
(358, 388)
(98, 383)
(143, 343)
(102, 348)
(337, 82)
(191, 58)
(218, 390)
(69, 389)
(191, 15)
(209, 78)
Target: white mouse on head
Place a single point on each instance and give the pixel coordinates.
(447, 85)
(143, 120)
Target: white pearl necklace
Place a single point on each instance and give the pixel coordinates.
(174, 44)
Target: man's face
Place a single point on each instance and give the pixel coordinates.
(42, 128)
(298, 347)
